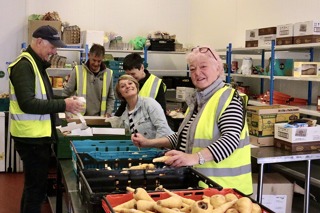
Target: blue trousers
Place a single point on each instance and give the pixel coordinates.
(36, 160)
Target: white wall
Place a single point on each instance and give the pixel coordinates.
(127, 18)
(212, 22)
(11, 34)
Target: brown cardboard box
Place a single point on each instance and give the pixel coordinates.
(267, 31)
(252, 43)
(284, 40)
(297, 147)
(306, 39)
(277, 192)
(91, 120)
(35, 24)
(261, 141)
(261, 119)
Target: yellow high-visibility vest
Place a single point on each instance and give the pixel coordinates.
(81, 74)
(151, 87)
(23, 124)
(235, 170)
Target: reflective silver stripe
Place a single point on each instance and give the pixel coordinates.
(108, 81)
(80, 80)
(222, 101)
(30, 117)
(225, 172)
(154, 87)
(13, 97)
(242, 142)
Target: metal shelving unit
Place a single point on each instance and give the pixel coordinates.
(309, 110)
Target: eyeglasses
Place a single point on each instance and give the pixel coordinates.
(204, 50)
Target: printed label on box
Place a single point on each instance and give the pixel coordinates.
(276, 203)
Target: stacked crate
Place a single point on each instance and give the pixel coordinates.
(116, 66)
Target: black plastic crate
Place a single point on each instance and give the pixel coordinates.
(94, 184)
(162, 45)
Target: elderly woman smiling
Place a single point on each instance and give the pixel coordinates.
(143, 115)
(213, 137)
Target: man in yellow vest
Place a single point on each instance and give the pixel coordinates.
(33, 110)
(93, 81)
(149, 84)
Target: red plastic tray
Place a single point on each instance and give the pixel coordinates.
(110, 201)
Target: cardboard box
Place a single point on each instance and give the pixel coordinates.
(252, 43)
(261, 141)
(277, 192)
(90, 120)
(267, 31)
(183, 93)
(252, 35)
(285, 30)
(35, 24)
(252, 38)
(284, 34)
(297, 147)
(261, 119)
(265, 40)
(294, 135)
(306, 69)
(306, 28)
(306, 39)
(93, 37)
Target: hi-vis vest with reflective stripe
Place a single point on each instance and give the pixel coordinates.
(234, 171)
(151, 87)
(29, 125)
(82, 75)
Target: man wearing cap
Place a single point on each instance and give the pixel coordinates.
(33, 109)
(93, 81)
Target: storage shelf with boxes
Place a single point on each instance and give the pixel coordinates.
(261, 121)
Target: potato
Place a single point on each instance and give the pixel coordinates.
(243, 205)
(232, 210)
(217, 200)
(230, 197)
(256, 208)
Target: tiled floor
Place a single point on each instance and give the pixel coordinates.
(11, 185)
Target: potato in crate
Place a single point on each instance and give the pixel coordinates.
(97, 183)
(204, 200)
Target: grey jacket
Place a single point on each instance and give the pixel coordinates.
(94, 91)
(149, 118)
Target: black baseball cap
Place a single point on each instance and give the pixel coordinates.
(50, 34)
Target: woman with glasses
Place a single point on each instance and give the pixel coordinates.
(142, 115)
(213, 137)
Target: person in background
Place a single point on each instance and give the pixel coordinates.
(142, 115)
(33, 111)
(214, 136)
(94, 82)
(150, 85)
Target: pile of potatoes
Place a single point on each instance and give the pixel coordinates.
(229, 203)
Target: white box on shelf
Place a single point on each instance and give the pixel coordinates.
(252, 35)
(183, 93)
(306, 69)
(306, 28)
(285, 30)
(93, 36)
(265, 40)
(295, 135)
